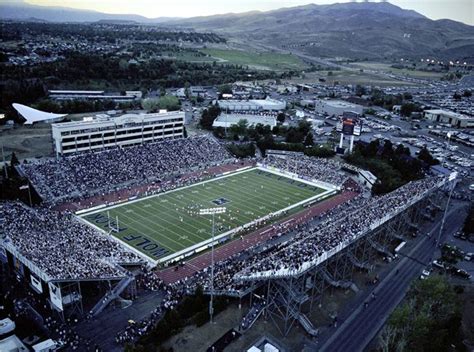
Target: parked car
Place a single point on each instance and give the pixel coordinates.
(425, 273)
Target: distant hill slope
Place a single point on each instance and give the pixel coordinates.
(356, 30)
(27, 12)
(351, 30)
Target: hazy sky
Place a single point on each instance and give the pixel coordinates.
(459, 10)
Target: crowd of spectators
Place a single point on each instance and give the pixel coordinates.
(306, 242)
(93, 173)
(252, 315)
(310, 168)
(172, 295)
(344, 228)
(60, 245)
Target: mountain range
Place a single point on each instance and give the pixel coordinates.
(350, 30)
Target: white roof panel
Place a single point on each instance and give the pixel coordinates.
(32, 115)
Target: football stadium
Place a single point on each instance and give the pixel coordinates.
(169, 225)
(183, 215)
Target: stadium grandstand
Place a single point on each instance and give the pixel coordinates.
(290, 220)
(91, 173)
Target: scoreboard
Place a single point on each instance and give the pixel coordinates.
(349, 124)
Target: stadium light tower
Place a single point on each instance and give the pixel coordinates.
(452, 178)
(213, 212)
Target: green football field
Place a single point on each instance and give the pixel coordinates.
(168, 223)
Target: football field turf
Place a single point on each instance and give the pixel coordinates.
(167, 223)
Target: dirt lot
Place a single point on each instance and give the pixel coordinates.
(27, 141)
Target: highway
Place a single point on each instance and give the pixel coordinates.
(363, 324)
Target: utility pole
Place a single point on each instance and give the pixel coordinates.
(213, 212)
(4, 164)
(452, 178)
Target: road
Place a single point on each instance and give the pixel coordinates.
(363, 324)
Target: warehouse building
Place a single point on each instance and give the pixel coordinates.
(452, 118)
(94, 95)
(97, 133)
(228, 120)
(252, 105)
(336, 107)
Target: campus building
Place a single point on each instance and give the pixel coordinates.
(452, 118)
(228, 120)
(255, 105)
(94, 95)
(97, 133)
(336, 107)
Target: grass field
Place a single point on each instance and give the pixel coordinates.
(384, 67)
(170, 222)
(256, 60)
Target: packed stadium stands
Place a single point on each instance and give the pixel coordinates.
(309, 242)
(305, 167)
(93, 173)
(62, 247)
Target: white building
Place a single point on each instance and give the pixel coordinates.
(367, 178)
(227, 120)
(336, 107)
(94, 95)
(252, 105)
(453, 118)
(106, 132)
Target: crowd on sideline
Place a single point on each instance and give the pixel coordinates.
(93, 173)
(310, 240)
(313, 242)
(310, 168)
(61, 246)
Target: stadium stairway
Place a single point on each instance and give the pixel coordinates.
(111, 295)
(307, 325)
(358, 264)
(339, 283)
(378, 247)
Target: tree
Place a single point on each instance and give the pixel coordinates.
(304, 127)
(281, 117)
(225, 89)
(426, 156)
(169, 102)
(309, 140)
(429, 320)
(151, 104)
(208, 116)
(360, 90)
(407, 108)
(239, 129)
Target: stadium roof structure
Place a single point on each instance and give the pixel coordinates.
(33, 115)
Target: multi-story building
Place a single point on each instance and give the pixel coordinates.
(94, 95)
(449, 117)
(107, 132)
(336, 107)
(252, 105)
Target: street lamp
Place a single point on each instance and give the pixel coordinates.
(213, 212)
(452, 178)
(27, 186)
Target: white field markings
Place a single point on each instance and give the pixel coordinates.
(140, 220)
(160, 194)
(206, 223)
(132, 221)
(275, 189)
(238, 222)
(267, 210)
(172, 225)
(256, 177)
